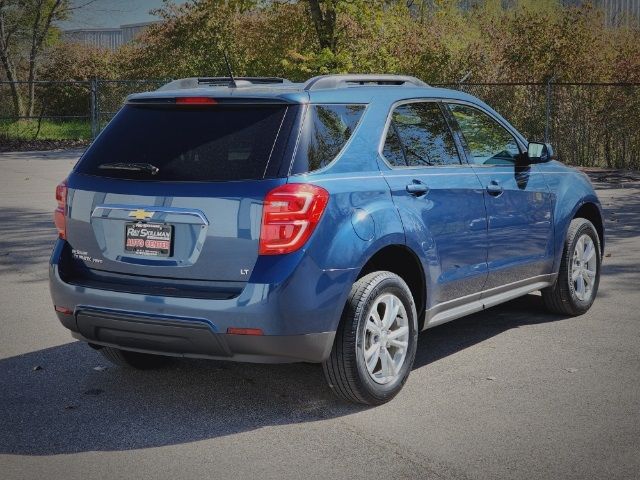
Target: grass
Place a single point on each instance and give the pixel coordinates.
(18, 130)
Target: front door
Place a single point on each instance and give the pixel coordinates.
(519, 203)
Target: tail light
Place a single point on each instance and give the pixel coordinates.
(60, 213)
(291, 213)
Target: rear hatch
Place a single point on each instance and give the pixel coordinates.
(171, 193)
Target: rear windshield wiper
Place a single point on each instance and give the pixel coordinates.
(134, 167)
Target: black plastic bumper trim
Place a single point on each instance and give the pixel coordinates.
(196, 339)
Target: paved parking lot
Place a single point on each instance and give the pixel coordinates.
(509, 393)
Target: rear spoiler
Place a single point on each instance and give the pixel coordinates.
(206, 101)
(196, 82)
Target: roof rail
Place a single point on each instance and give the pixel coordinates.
(195, 82)
(337, 81)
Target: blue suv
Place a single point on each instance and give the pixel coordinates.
(261, 220)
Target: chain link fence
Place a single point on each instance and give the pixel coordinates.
(596, 125)
(588, 124)
(64, 110)
(110, 95)
(523, 105)
(60, 110)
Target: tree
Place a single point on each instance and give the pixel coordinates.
(436, 40)
(25, 28)
(324, 14)
(189, 41)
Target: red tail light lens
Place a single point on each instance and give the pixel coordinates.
(60, 213)
(195, 101)
(291, 213)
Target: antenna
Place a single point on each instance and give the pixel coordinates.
(232, 83)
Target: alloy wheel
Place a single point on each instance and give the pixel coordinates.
(386, 338)
(583, 268)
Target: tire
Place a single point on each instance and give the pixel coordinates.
(346, 370)
(565, 297)
(139, 361)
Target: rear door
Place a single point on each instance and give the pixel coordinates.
(519, 203)
(439, 198)
(176, 191)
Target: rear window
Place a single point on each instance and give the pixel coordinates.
(217, 143)
(326, 129)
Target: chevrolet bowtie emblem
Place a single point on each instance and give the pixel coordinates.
(141, 214)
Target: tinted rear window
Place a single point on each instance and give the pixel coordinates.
(326, 129)
(217, 143)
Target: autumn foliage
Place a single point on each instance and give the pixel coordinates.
(533, 41)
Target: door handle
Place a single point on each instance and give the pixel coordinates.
(494, 188)
(417, 188)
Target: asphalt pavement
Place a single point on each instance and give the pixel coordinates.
(512, 392)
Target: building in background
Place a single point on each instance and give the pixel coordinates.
(133, 30)
(110, 38)
(617, 13)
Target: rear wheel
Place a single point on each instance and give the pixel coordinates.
(140, 361)
(579, 275)
(375, 344)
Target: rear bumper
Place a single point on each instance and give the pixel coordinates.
(298, 316)
(192, 338)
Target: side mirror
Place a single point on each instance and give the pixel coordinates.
(540, 152)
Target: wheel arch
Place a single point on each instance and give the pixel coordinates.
(590, 211)
(404, 262)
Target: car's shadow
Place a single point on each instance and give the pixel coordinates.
(54, 401)
(452, 337)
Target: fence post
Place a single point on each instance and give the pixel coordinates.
(93, 101)
(547, 117)
(463, 79)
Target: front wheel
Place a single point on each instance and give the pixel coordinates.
(376, 340)
(579, 276)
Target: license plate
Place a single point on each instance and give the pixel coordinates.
(153, 239)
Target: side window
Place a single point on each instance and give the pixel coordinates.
(392, 149)
(488, 141)
(420, 136)
(326, 129)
